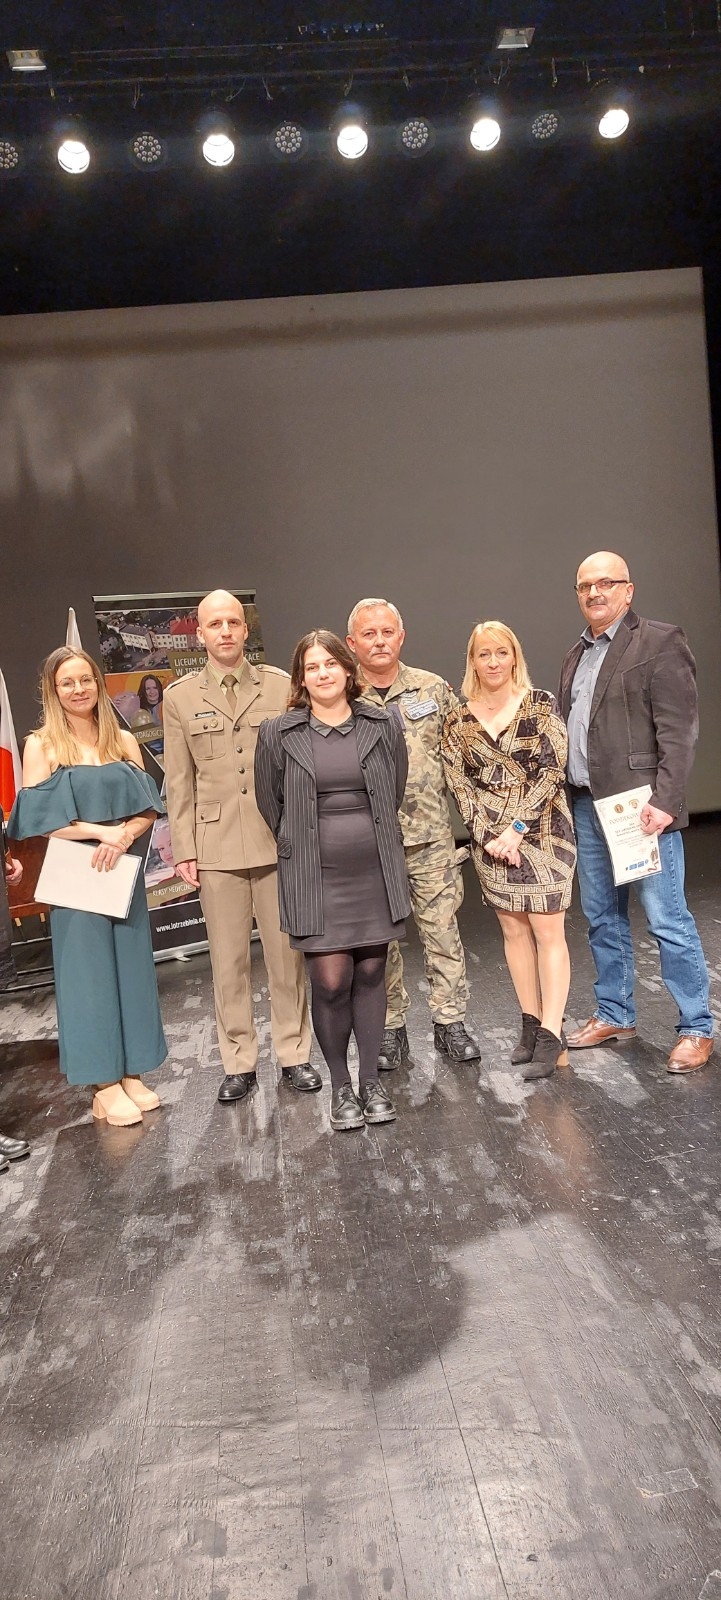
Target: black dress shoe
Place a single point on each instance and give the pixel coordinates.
(13, 1149)
(376, 1103)
(235, 1086)
(303, 1077)
(454, 1040)
(394, 1049)
(345, 1111)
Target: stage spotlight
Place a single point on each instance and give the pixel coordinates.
(218, 149)
(9, 157)
(415, 136)
(485, 134)
(545, 126)
(289, 141)
(614, 122)
(73, 154)
(351, 140)
(147, 151)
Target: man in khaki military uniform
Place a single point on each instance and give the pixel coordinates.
(222, 845)
(422, 701)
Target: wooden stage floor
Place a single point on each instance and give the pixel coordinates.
(475, 1354)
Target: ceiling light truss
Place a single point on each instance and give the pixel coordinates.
(381, 60)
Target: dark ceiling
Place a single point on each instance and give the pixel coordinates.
(185, 232)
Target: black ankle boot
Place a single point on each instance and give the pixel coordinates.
(549, 1053)
(527, 1042)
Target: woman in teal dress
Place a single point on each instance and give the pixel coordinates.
(83, 779)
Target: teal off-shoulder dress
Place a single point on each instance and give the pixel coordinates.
(109, 1023)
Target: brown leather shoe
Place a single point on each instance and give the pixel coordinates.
(692, 1051)
(595, 1032)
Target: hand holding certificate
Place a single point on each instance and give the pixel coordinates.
(68, 878)
(634, 854)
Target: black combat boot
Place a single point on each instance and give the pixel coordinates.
(395, 1049)
(454, 1040)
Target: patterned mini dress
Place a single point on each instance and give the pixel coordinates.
(520, 775)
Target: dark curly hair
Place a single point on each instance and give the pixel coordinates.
(337, 649)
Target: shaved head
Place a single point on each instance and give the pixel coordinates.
(604, 590)
(219, 600)
(222, 629)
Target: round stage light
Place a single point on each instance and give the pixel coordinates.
(147, 151)
(485, 134)
(218, 149)
(415, 136)
(545, 126)
(614, 122)
(73, 155)
(351, 141)
(289, 141)
(9, 156)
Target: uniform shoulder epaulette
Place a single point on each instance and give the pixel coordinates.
(429, 677)
(182, 679)
(263, 666)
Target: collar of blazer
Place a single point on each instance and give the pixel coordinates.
(295, 731)
(619, 644)
(248, 689)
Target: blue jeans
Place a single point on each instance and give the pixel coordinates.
(605, 907)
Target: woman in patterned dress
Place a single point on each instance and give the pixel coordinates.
(505, 753)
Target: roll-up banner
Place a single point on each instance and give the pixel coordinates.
(146, 642)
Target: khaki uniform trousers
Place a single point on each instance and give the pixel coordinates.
(435, 882)
(229, 900)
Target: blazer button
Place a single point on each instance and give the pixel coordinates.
(376, 819)
(244, 791)
(241, 769)
(239, 749)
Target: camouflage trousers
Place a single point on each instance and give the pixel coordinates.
(436, 888)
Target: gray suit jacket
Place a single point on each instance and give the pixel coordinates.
(286, 797)
(644, 716)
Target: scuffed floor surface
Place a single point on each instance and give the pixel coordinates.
(472, 1355)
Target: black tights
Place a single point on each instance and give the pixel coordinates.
(349, 996)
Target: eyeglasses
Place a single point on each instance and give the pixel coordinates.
(603, 585)
(73, 683)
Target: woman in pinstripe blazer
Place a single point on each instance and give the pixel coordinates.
(329, 777)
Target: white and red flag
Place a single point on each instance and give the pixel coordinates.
(11, 772)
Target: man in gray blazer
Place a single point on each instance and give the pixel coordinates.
(628, 693)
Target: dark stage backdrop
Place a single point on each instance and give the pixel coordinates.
(457, 449)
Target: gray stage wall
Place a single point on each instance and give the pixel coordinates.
(458, 449)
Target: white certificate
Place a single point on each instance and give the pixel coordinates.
(634, 854)
(68, 879)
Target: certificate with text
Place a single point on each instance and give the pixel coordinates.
(634, 854)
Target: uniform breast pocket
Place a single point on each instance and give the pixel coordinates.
(255, 718)
(207, 738)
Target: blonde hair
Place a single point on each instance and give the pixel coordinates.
(520, 678)
(55, 732)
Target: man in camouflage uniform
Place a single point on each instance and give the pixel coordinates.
(421, 700)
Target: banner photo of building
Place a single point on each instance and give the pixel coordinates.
(146, 642)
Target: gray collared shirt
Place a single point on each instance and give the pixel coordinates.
(326, 727)
(582, 692)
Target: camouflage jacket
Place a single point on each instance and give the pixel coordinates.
(422, 700)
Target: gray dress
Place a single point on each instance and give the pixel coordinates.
(355, 900)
